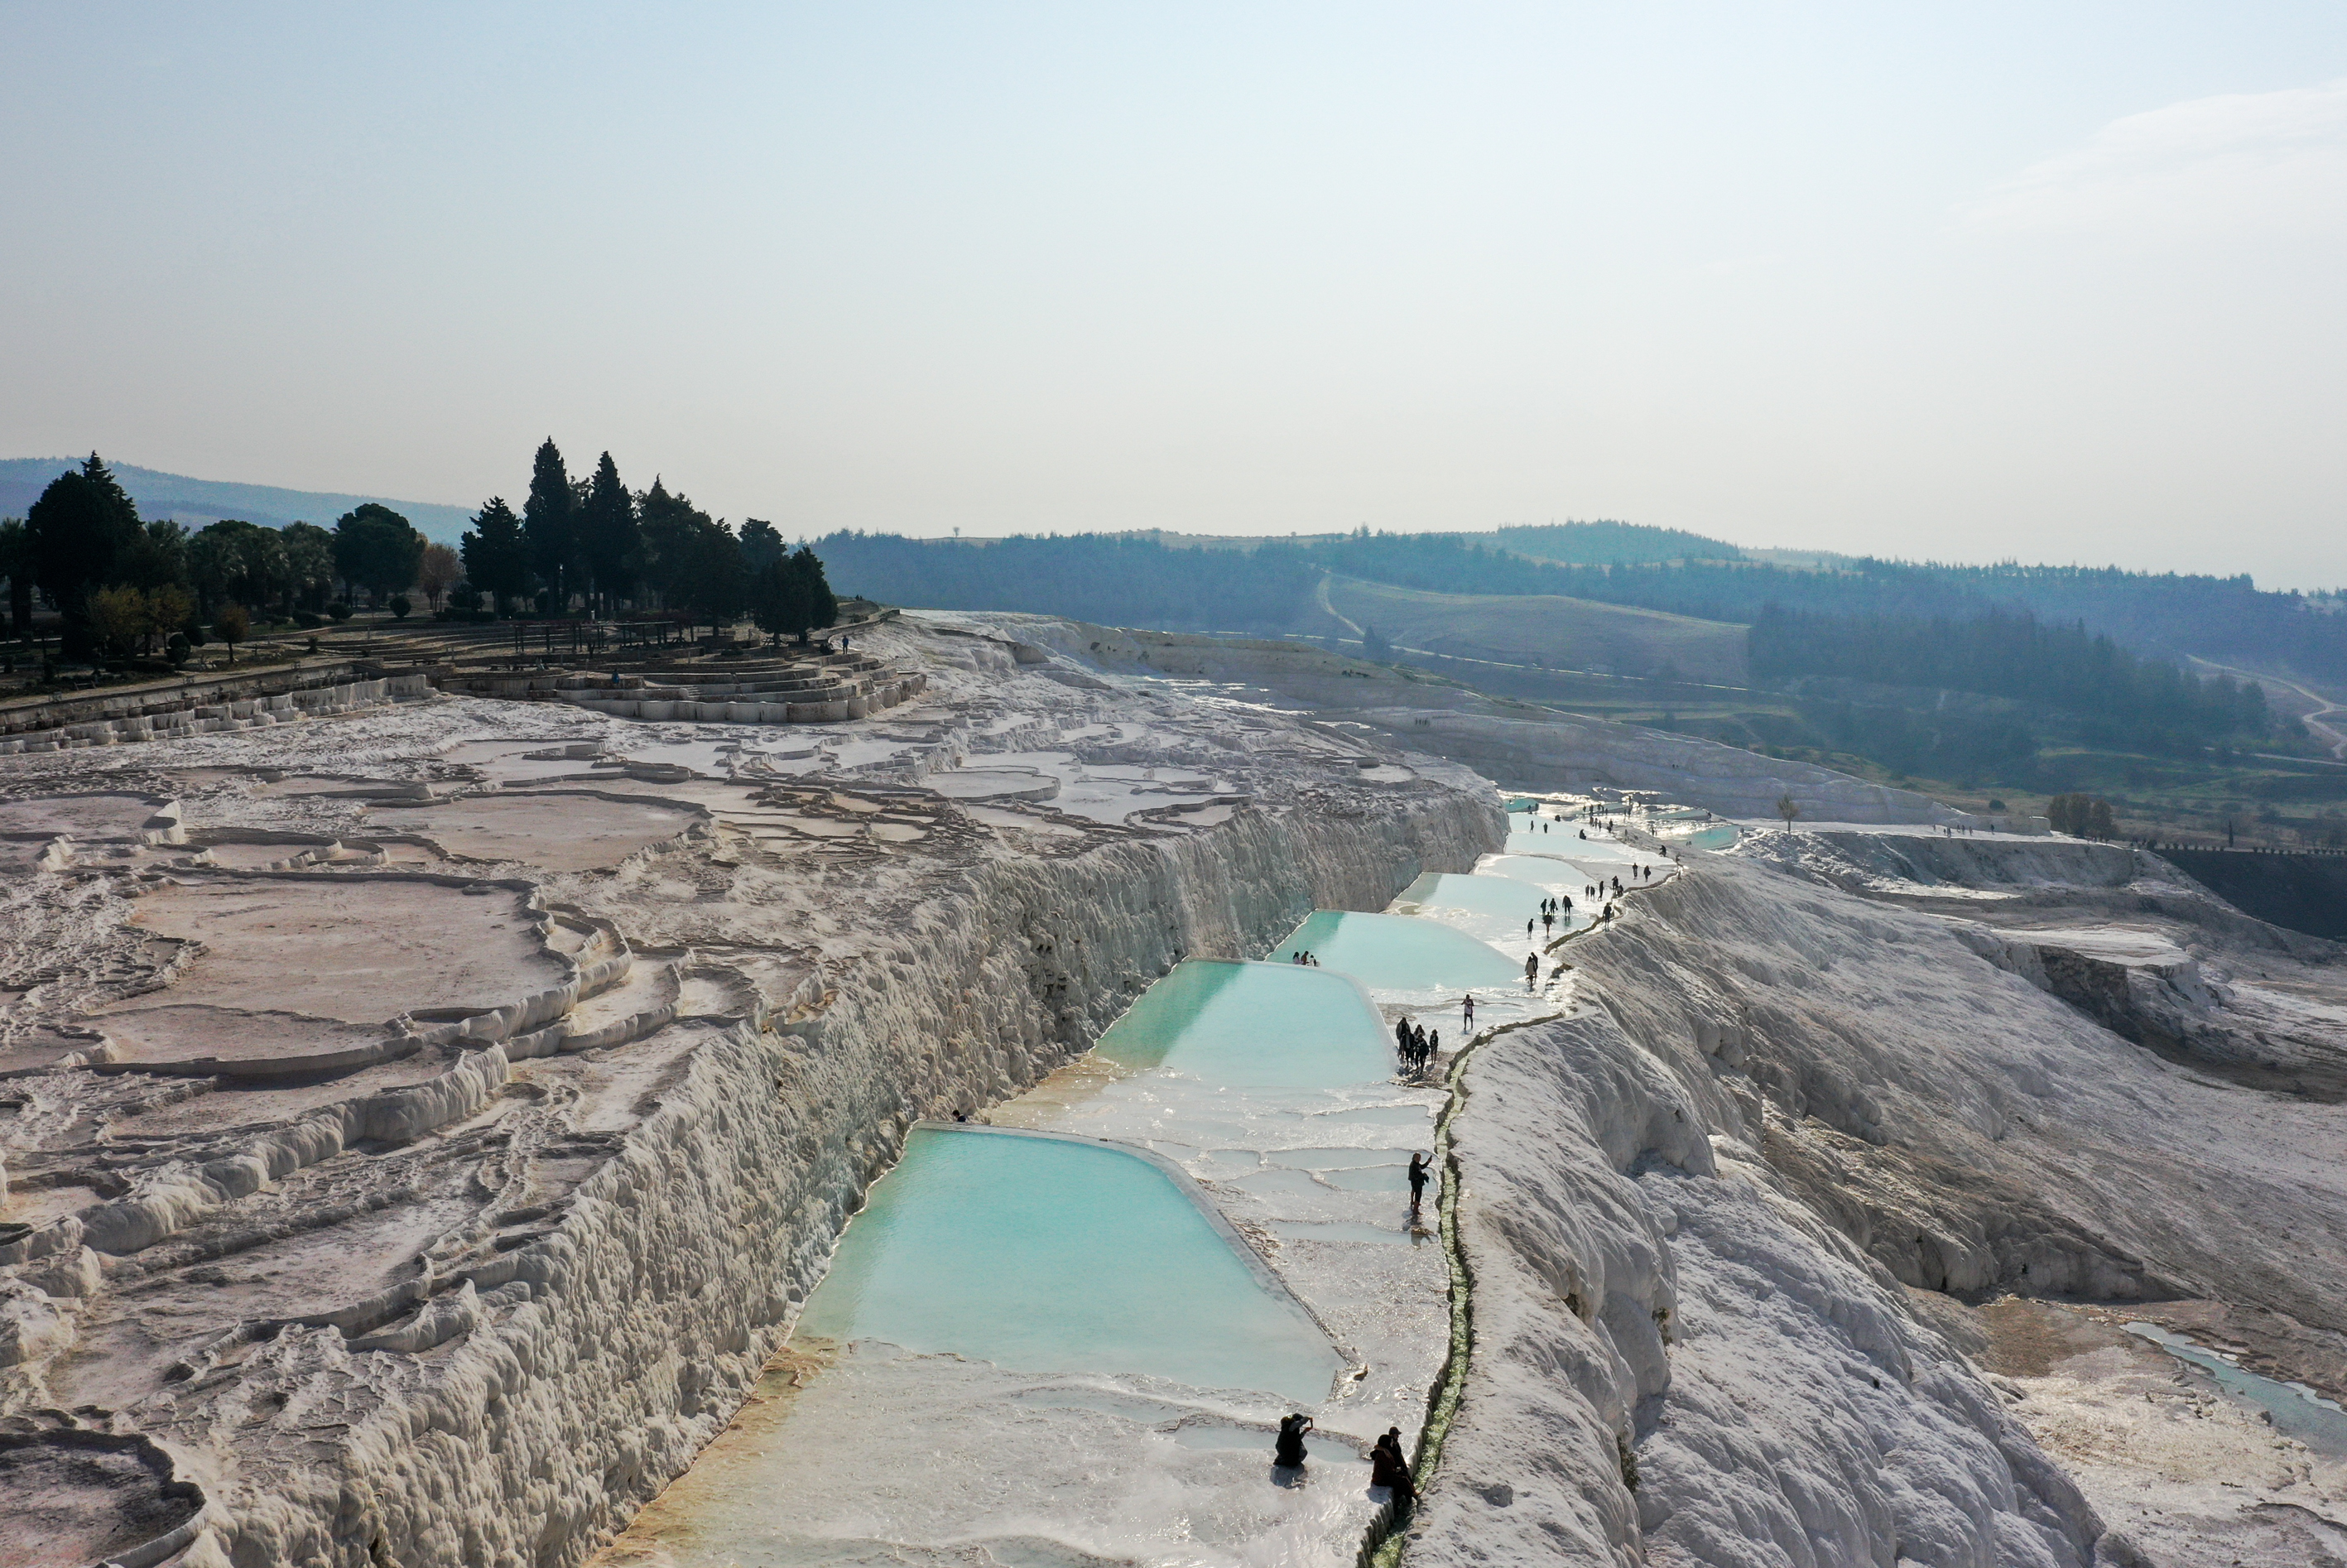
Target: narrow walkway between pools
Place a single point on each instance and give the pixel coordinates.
(1069, 1335)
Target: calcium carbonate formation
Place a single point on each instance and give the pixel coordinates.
(424, 1126)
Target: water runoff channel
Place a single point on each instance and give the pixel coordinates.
(1066, 1336)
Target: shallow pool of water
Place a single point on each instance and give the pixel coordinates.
(2296, 1409)
(1493, 909)
(1250, 1026)
(1397, 953)
(1055, 1254)
(1544, 836)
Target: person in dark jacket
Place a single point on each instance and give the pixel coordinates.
(1287, 1450)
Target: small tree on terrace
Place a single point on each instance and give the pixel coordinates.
(438, 572)
(1789, 808)
(119, 618)
(170, 610)
(231, 626)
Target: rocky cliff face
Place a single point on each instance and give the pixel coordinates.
(1797, 1119)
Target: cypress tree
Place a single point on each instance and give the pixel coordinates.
(549, 522)
(607, 538)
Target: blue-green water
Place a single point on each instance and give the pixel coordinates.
(1252, 1026)
(1493, 907)
(1397, 953)
(2305, 1415)
(1539, 870)
(1047, 1254)
(1546, 836)
(1500, 895)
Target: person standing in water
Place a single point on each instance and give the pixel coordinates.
(1287, 1450)
(1421, 1166)
(1532, 971)
(1469, 1010)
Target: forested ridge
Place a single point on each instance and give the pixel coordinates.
(1134, 581)
(1957, 673)
(1118, 580)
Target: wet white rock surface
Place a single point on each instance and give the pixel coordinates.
(484, 1278)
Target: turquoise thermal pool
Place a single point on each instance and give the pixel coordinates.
(1047, 1347)
(1251, 1026)
(1529, 835)
(1056, 1254)
(2293, 1407)
(1398, 953)
(1550, 876)
(1492, 907)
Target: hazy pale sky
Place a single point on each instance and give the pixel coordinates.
(2066, 282)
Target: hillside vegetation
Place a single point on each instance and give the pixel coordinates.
(1540, 629)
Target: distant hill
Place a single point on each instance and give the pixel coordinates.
(1611, 543)
(200, 501)
(1540, 628)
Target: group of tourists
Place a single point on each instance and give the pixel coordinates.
(1415, 1046)
(1388, 1468)
(1310, 960)
(1552, 910)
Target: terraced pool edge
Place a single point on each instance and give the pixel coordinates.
(1249, 1255)
(1383, 1545)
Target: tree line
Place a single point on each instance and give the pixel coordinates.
(2010, 654)
(2171, 614)
(126, 586)
(592, 541)
(123, 584)
(1118, 580)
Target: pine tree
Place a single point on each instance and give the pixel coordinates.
(668, 528)
(78, 529)
(762, 542)
(377, 550)
(607, 538)
(779, 601)
(309, 565)
(549, 522)
(822, 604)
(497, 555)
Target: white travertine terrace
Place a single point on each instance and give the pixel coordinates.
(421, 1124)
